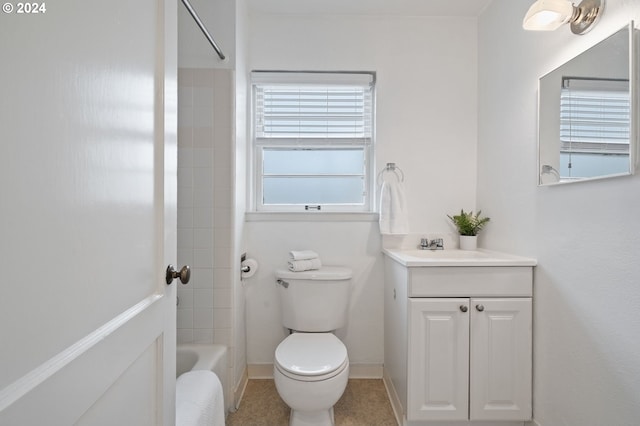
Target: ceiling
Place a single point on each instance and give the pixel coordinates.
(369, 7)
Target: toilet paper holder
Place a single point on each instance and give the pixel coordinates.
(244, 268)
(248, 267)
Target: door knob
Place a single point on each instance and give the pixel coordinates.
(463, 308)
(480, 308)
(184, 274)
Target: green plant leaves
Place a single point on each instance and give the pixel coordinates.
(468, 223)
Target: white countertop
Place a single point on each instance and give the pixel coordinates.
(480, 257)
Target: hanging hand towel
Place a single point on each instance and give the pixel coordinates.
(302, 255)
(393, 211)
(304, 265)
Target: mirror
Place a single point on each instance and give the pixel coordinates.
(587, 125)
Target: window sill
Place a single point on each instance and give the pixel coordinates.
(310, 217)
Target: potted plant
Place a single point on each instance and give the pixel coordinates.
(468, 226)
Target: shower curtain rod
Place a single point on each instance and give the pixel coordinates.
(195, 16)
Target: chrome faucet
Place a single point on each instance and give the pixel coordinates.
(435, 244)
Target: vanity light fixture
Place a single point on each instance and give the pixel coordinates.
(549, 15)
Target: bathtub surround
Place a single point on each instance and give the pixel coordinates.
(205, 308)
(204, 204)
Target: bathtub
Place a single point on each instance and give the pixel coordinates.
(204, 357)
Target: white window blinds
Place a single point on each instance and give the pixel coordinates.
(594, 115)
(313, 105)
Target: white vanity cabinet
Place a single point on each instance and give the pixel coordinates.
(466, 363)
(458, 340)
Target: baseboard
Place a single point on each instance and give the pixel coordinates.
(365, 371)
(260, 371)
(356, 371)
(396, 406)
(238, 392)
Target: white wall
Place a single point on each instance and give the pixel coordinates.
(355, 244)
(426, 94)
(585, 236)
(426, 123)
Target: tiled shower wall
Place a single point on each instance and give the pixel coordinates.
(205, 105)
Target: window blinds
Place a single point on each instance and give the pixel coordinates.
(594, 115)
(336, 107)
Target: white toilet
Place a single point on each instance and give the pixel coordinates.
(311, 365)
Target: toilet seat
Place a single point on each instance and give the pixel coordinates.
(311, 357)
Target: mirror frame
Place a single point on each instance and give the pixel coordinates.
(634, 124)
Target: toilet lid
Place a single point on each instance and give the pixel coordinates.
(311, 354)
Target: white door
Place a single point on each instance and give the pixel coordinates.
(501, 339)
(87, 212)
(438, 359)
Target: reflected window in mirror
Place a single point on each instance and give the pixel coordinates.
(587, 124)
(594, 127)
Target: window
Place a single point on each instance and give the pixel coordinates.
(594, 127)
(313, 141)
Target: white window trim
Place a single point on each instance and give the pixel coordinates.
(258, 145)
(310, 217)
(356, 208)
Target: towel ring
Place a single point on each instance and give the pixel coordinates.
(391, 167)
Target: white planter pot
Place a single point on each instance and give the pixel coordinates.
(468, 242)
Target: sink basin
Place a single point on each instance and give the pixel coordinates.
(414, 257)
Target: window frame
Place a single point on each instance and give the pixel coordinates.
(260, 144)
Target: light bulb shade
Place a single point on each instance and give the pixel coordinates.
(548, 15)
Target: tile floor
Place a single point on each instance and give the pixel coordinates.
(364, 403)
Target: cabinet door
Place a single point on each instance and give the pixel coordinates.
(438, 359)
(501, 341)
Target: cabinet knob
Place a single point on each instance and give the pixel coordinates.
(480, 308)
(463, 308)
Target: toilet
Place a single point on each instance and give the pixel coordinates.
(311, 365)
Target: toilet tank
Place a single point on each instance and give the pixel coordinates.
(314, 301)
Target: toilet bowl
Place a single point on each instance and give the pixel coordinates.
(310, 373)
(311, 365)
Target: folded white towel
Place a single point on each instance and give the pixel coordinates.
(302, 255)
(199, 399)
(304, 265)
(393, 211)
